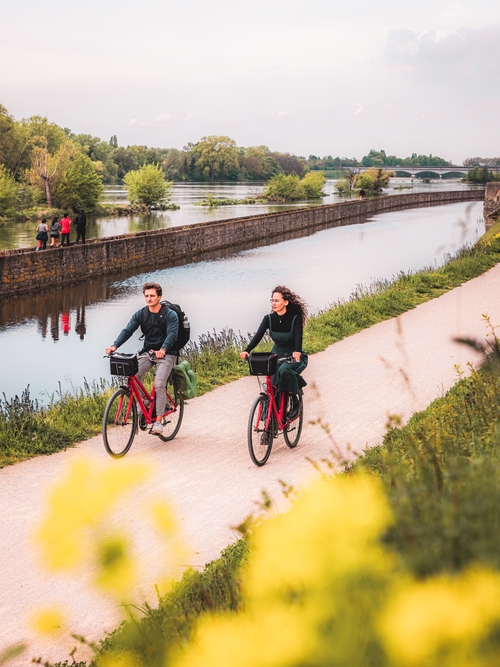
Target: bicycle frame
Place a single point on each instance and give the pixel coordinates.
(271, 392)
(136, 388)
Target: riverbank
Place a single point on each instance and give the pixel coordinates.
(27, 430)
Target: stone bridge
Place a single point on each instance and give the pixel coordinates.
(416, 171)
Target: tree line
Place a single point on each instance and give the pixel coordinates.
(42, 163)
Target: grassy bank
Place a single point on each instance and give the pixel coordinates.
(26, 430)
(441, 477)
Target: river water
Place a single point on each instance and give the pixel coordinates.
(59, 336)
(186, 195)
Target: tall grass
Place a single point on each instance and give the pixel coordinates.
(28, 429)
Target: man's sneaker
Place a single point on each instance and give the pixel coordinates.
(157, 428)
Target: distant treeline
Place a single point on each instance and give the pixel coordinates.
(213, 158)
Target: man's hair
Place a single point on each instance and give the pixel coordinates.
(154, 286)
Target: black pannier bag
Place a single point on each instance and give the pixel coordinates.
(263, 363)
(123, 364)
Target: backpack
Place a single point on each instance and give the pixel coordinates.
(184, 332)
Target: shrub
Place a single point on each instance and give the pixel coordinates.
(148, 186)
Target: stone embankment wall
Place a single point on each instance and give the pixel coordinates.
(24, 270)
(492, 200)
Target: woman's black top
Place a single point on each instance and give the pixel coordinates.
(281, 324)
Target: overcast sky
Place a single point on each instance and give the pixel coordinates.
(316, 76)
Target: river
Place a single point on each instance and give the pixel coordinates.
(59, 336)
(186, 195)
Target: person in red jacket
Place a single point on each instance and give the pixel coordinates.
(65, 229)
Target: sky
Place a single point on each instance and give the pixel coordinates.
(318, 77)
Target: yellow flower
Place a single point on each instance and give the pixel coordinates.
(331, 530)
(122, 659)
(117, 572)
(80, 502)
(48, 621)
(425, 617)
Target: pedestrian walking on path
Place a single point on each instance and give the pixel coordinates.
(43, 234)
(65, 229)
(81, 226)
(55, 229)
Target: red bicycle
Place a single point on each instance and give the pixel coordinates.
(269, 413)
(121, 418)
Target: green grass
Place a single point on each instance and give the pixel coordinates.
(27, 430)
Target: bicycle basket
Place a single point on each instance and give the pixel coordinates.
(263, 363)
(123, 364)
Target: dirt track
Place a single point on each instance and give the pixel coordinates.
(393, 368)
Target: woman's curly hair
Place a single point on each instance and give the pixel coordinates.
(297, 304)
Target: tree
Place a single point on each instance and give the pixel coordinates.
(283, 188)
(148, 186)
(80, 186)
(217, 157)
(313, 184)
(290, 164)
(257, 164)
(373, 180)
(47, 168)
(8, 192)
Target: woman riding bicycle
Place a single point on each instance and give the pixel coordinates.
(285, 325)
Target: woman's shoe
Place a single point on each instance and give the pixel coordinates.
(295, 407)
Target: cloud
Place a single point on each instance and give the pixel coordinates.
(162, 118)
(359, 107)
(188, 117)
(280, 114)
(135, 121)
(465, 61)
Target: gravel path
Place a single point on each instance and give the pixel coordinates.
(396, 367)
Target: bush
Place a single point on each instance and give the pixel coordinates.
(281, 188)
(148, 186)
(374, 180)
(313, 184)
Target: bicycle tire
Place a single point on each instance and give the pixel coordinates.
(260, 440)
(173, 421)
(295, 426)
(117, 435)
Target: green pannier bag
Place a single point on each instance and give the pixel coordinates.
(184, 380)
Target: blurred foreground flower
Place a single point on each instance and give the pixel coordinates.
(47, 621)
(82, 524)
(443, 614)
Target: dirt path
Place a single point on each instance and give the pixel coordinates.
(395, 367)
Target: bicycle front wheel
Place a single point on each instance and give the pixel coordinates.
(119, 425)
(292, 432)
(260, 439)
(173, 419)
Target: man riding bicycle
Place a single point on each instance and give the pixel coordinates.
(160, 335)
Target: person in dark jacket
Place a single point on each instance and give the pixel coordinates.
(285, 324)
(81, 226)
(160, 337)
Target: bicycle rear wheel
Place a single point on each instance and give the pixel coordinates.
(260, 439)
(172, 421)
(292, 432)
(119, 424)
